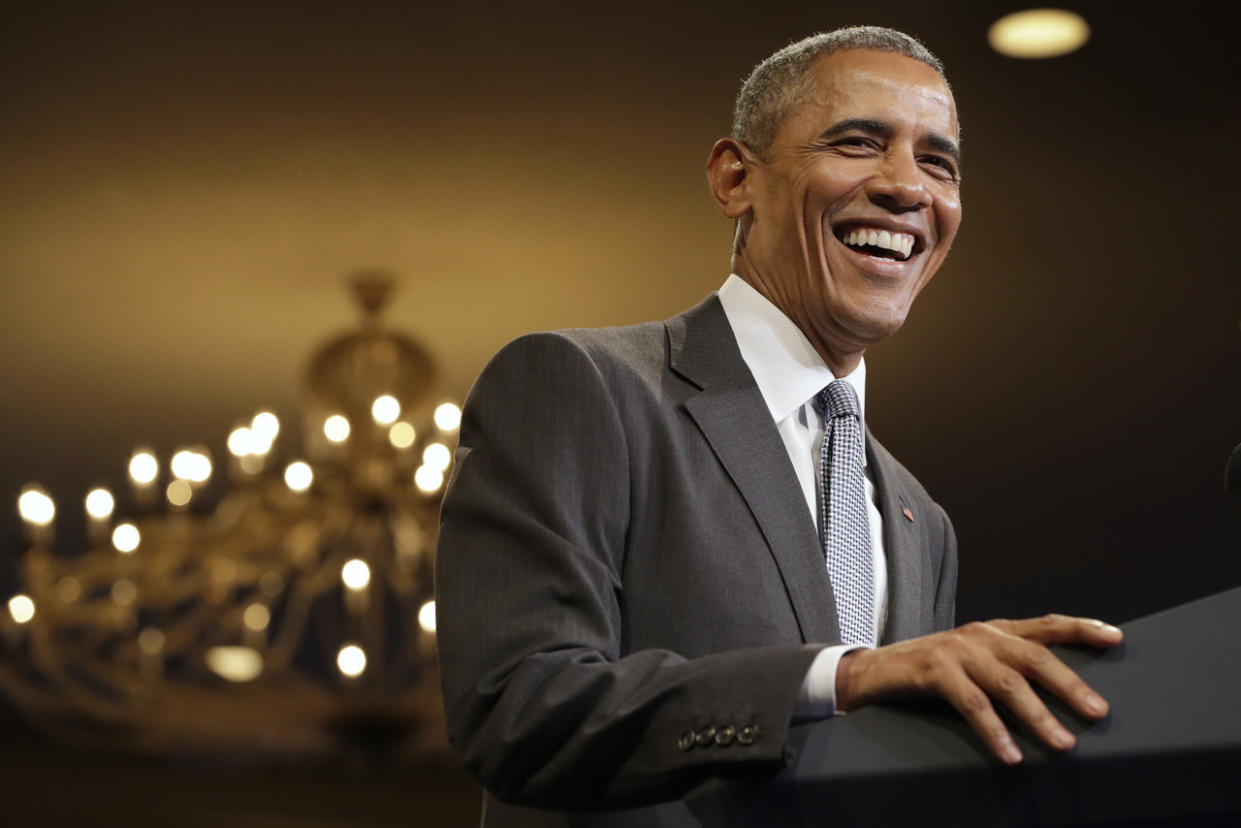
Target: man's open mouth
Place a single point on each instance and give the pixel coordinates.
(875, 241)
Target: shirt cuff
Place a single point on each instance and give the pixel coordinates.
(817, 698)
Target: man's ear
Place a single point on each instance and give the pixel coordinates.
(728, 173)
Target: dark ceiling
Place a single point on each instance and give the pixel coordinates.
(184, 185)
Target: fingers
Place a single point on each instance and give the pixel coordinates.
(1062, 629)
(1010, 688)
(1034, 661)
(974, 706)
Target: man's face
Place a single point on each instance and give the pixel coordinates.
(858, 199)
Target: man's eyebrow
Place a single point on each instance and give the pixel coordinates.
(884, 129)
(868, 125)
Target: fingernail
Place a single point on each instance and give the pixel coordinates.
(1010, 754)
(1095, 704)
(1107, 627)
(1064, 739)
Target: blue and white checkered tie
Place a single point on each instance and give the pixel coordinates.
(844, 525)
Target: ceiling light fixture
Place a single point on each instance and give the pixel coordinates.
(291, 618)
(1038, 33)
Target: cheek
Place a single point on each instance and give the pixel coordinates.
(948, 216)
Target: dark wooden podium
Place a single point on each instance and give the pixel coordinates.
(1168, 754)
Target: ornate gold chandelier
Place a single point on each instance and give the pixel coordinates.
(295, 618)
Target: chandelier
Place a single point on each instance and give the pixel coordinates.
(292, 618)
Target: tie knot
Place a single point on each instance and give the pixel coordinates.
(839, 399)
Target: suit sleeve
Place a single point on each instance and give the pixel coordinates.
(543, 704)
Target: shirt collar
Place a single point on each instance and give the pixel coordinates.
(786, 367)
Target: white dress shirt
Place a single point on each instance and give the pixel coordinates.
(789, 373)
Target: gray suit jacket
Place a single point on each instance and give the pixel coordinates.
(629, 585)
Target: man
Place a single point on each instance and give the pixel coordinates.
(632, 588)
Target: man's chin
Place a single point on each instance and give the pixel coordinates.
(872, 324)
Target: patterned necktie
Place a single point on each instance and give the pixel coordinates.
(842, 512)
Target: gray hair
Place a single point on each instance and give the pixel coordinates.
(778, 84)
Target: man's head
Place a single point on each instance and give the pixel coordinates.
(836, 144)
(780, 83)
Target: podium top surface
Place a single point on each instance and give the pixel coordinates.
(1173, 731)
(1173, 684)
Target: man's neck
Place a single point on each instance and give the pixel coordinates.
(840, 358)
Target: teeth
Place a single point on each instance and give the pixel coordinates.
(902, 243)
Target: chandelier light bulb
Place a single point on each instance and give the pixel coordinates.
(191, 464)
(437, 456)
(385, 409)
(179, 492)
(428, 479)
(241, 442)
(336, 428)
(182, 464)
(298, 476)
(356, 574)
(351, 660)
(21, 607)
(151, 640)
(36, 507)
(143, 467)
(263, 430)
(401, 435)
(260, 444)
(448, 417)
(237, 664)
(256, 617)
(125, 538)
(265, 425)
(426, 616)
(100, 503)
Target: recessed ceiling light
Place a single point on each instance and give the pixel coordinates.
(1038, 33)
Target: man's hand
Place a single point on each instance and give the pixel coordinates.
(978, 662)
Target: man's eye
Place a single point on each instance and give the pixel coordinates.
(943, 163)
(859, 142)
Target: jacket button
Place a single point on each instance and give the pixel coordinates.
(686, 741)
(747, 735)
(705, 736)
(724, 737)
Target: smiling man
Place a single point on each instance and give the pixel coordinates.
(663, 544)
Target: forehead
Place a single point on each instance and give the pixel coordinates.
(864, 83)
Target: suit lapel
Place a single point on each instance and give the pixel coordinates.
(730, 412)
(900, 544)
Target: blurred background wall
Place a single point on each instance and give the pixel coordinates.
(184, 185)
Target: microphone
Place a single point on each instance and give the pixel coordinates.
(1232, 474)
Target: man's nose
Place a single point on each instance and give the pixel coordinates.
(898, 184)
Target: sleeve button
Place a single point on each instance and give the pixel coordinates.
(747, 735)
(705, 736)
(725, 735)
(686, 741)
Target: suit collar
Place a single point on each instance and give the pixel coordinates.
(900, 543)
(730, 412)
